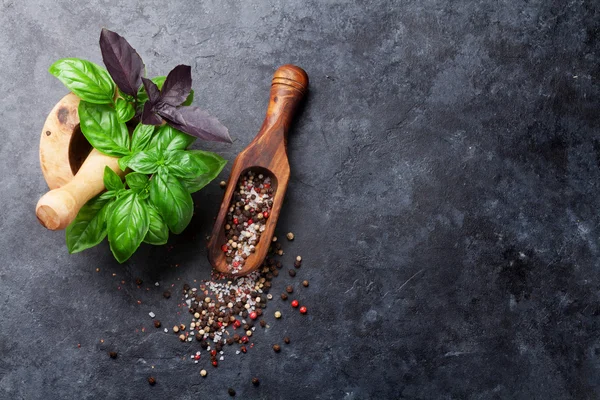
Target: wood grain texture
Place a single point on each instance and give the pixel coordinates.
(266, 153)
(60, 155)
(60, 126)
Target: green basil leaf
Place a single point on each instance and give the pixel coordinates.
(109, 194)
(127, 226)
(214, 164)
(124, 109)
(173, 201)
(141, 136)
(145, 162)
(158, 233)
(168, 138)
(112, 181)
(100, 126)
(89, 227)
(123, 162)
(137, 181)
(189, 99)
(87, 80)
(183, 164)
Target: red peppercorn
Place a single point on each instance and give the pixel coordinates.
(236, 264)
(250, 222)
(215, 363)
(253, 315)
(235, 221)
(245, 339)
(213, 353)
(236, 324)
(243, 349)
(220, 324)
(197, 357)
(224, 248)
(303, 310)
(267, 185)
(294, 303)
(266, 214)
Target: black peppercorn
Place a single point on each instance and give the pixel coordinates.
(263, 323)
(276, 348)
(289, 289)
(112, 354)
(156, 323)
(286, 340)
(138, 281)
(166, 294)
(292, 272)
(255, 381)
(152, 381)
(231, 392)
(284, 296)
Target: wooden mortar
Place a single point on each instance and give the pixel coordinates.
(73, 170)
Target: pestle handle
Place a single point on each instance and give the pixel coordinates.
(59, 207)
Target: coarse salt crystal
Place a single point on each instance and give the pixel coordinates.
(156, 284)
(221, 358)
(151, 314)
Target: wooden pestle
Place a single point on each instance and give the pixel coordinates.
(59, 207)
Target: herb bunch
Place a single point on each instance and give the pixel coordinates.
(161, 173)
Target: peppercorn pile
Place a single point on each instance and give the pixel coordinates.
(246, 218)
(227, 312)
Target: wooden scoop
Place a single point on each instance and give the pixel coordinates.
(73, 170)
(265, 154)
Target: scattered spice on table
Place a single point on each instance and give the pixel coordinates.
(224, 311)
(112, 354)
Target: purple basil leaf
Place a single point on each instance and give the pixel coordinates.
(151, 90)
(123, 63)
(199, 123)
(177, 86)
(148, 116)
(169, 112)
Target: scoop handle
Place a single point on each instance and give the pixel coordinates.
(288, 88)
(59, 207)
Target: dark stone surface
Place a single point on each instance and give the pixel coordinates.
(444, 196)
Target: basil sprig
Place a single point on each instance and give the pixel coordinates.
(161, 172)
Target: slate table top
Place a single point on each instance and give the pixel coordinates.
(444, 196)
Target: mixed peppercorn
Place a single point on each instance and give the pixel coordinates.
(246, 218)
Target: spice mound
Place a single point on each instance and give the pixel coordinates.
(246, 218)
